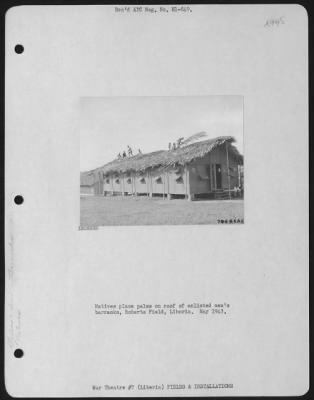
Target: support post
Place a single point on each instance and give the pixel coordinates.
(151, 185)
(214, 170)
(122, 185)
(163, 185)
(228, 171)
(132, 184)
(186, 182)
(135, 192)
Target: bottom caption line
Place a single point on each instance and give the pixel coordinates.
(194, 386)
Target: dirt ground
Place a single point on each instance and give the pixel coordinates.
(102, 211)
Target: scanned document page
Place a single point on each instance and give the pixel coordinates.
(156, 201)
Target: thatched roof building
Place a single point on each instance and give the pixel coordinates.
(211, 157)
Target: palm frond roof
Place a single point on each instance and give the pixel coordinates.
(167, 159)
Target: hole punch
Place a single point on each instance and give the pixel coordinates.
(18, 199)
(19, 49)
(18, 353)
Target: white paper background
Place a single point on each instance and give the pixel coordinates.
(55, 273)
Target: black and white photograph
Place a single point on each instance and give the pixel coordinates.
(161, 161)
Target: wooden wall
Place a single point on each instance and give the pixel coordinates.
(87, 190)
(205, 167)
(147, 183)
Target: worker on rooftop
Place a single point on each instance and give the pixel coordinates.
(130, 152)
(179, 142)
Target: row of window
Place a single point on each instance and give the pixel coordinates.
(158, 179)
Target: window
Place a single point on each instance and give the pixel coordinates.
(129, 181)
(158, 179)
(179, 179)
(142, 180)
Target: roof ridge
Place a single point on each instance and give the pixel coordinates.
(182, 155)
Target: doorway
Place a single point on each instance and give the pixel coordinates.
(218, 176)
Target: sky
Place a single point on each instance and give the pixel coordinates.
(109, 124)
